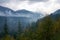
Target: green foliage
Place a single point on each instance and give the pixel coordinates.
(6, 28)
(7, 37)
(56, 29)
(47, 29)
(19, 31)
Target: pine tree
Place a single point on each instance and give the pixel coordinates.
(6, 31)
(19, 28)
(56, 29)
(6, 28)
(19, 31)
(12, 38)
(45, 28)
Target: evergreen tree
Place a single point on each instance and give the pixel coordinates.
(56, 29)
(19, 31)
(45, 28)
(6, 31)
(6, 28)
(19, 28)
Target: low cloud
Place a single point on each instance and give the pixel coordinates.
(46, 6)
(3, 1)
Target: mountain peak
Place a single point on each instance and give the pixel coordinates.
(5, 8)
(23, 11)
(57, 11)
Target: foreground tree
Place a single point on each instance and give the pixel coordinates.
(56, 29)
(6, 31)
(19, 31)
(44, 29)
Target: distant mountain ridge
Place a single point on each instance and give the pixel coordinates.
(55, 15)
(9, 12)
(13, 17)
(23, 16)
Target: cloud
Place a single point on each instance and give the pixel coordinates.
(58, 1)
(44, 6)
(3, 1)
(32, 0)
(38, 0)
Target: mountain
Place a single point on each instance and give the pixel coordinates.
(55, 15)
(4, 11)
(14, 17)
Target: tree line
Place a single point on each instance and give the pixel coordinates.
(45, 29)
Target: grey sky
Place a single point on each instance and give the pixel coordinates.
(58, 1)
(46, 6)
(5, 1)
(38, 0)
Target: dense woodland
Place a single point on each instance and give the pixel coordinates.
(43, 29)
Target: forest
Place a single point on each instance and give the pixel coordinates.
(44, 29)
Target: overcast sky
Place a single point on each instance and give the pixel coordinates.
(46, 6)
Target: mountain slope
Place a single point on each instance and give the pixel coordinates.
(13, 17)
(55, 15)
